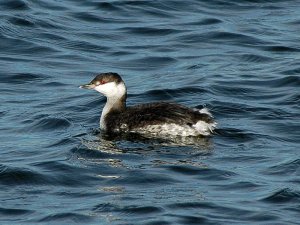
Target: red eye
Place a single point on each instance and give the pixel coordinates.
(102, 82)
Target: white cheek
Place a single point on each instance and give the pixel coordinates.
(106, 89)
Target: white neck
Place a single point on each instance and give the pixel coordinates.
(116, 99)
(109, 107)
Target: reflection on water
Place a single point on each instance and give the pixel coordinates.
(135, 143)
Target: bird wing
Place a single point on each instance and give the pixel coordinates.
(155, 113)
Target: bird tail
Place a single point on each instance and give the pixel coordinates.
(205, 128)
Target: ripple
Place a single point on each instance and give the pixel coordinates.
(19, 176)
(18, 46)
(287, 169)
(131, 209)
(280, 49)
(85, 16)
(147, 31)
(92, 18)
(238, 186)
(144, 178)
(50, 123)
(3, 113)
(53, 84)
(255, 58)
(67, 217)
(237, 135)
(295, 71)
(108, 6)
(193, 220)
(87, 153)
(22, 78)
(207, 21)
(84, 46)
(154, 9)
(52, 36)
(292, 81)
(8, 42)
(51, 5)
(21, 22)
(234, 109)
(61, 174)
(247, 92)
(62, 142)
(14, 5)
(203, 173)
(283, 196)
(50, 24)
(205, 205)
(14, 212)
(168, 94)
(142, 209)
(227, 37)
(65, 174)
(226, 211)
(149, 63)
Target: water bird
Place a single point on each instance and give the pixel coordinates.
(159, 118)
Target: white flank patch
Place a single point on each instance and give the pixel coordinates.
(205, 128)
(205, 111)
(168, 129)
(200, 128)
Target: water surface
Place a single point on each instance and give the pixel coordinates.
(239, 59)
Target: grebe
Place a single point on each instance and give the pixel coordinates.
(161, 118)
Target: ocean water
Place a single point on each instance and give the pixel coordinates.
(241, 59)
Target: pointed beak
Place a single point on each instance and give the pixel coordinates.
(87, 86)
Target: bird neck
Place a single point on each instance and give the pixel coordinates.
(113, 105)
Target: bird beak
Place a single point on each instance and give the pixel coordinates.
(87, 86)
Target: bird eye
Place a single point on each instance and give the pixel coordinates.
(97, 83)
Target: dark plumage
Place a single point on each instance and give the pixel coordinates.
(151, 114)
(107, 77)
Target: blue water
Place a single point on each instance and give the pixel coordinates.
(241, 59)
